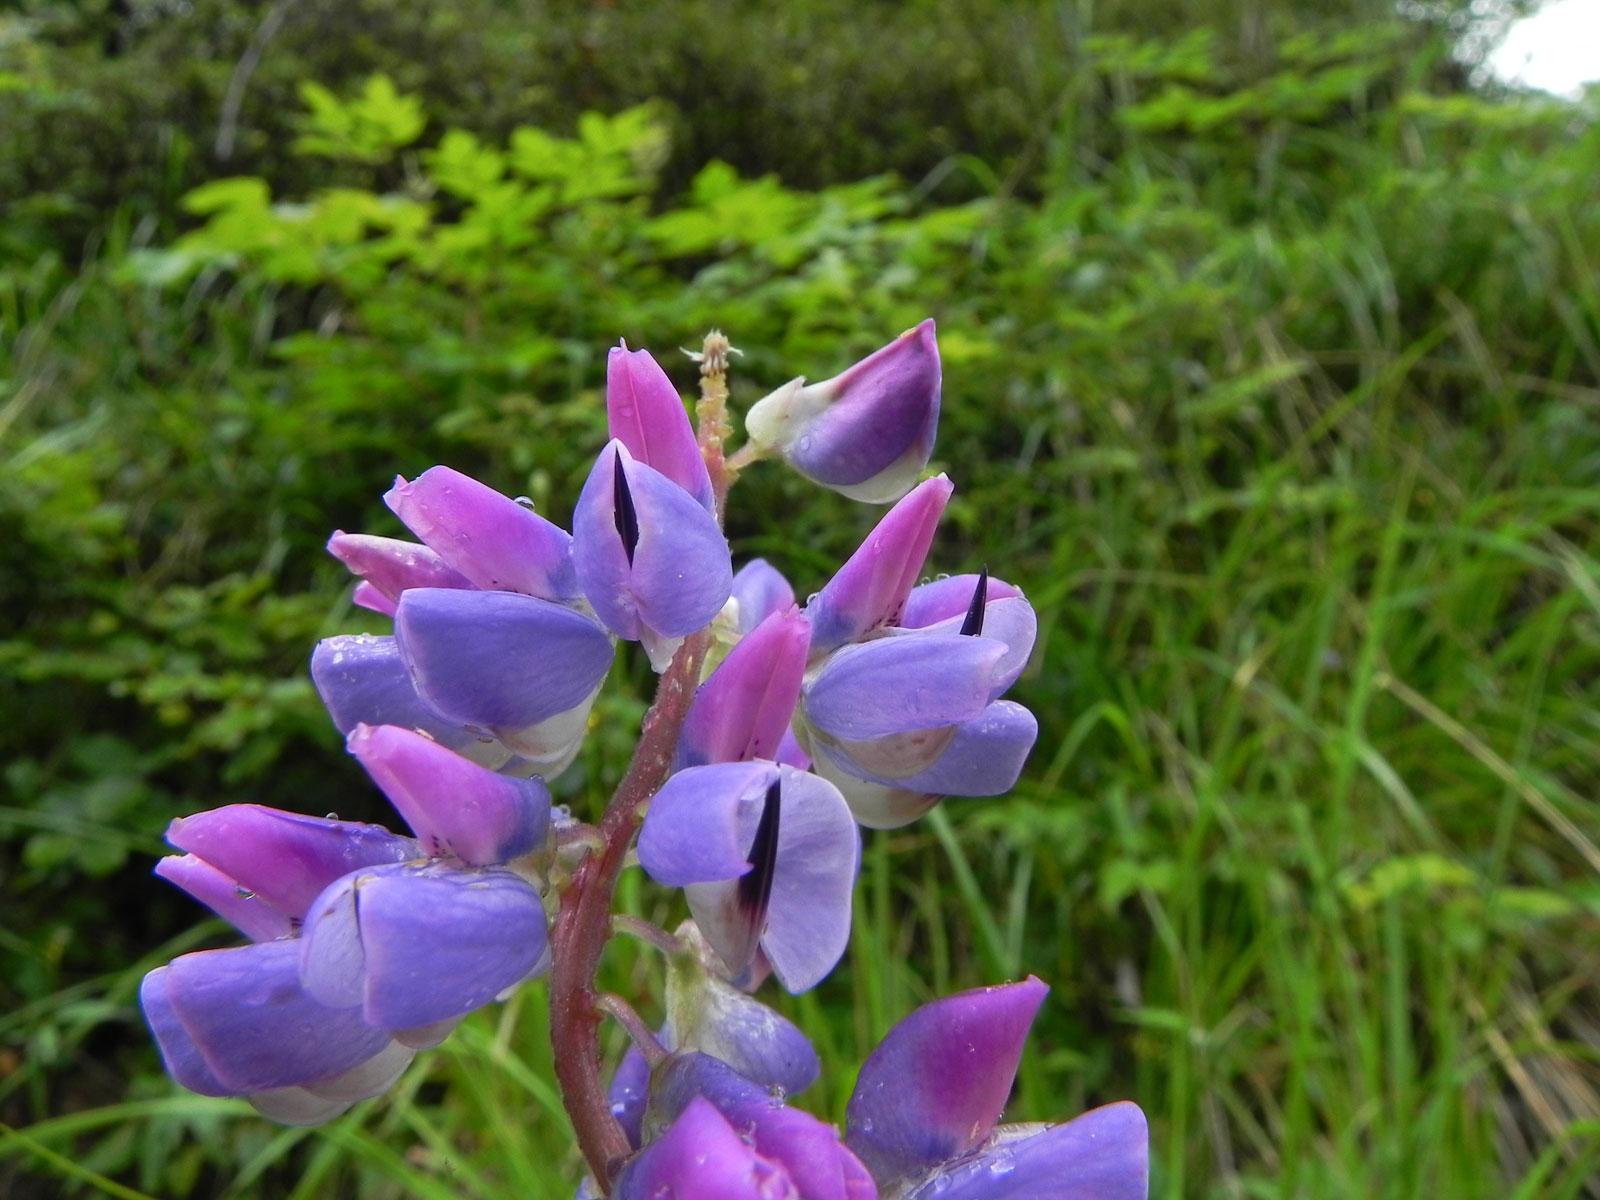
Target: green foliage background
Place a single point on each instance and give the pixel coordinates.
(1272, 355)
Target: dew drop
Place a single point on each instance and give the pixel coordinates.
(244, 893)
(330, 816)
(1001, 1162)
(526, 502)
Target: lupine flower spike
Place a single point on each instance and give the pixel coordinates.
(776, 733)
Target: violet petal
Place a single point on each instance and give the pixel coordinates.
(392, 565)
(896, 684)
(286, 859)
(870, 590)
(491, 539)
(1102, 1155)
(418, 944)
(702, 1156)
(250, 913)
(935, 1086)
(645, 413)
(363, 681)
(499, 661)
(678, 575)
(743, 708)
(454, 807)
(256, 1027)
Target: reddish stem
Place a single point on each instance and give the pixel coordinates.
(583, 926)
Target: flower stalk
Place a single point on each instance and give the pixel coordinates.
(583, 925)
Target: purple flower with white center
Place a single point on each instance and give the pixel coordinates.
(417, 943)
(867, 432)
(650, 558)
(742, 710)
(923, 1116)
(645, 414)
(805, 1155)
(767, 857)
(900, 721)
(368, 944)
(490, 632)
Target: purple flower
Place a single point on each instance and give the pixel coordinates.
(368, 944)
(703, 1155)
(650, 558)
(767, 857)
(496, 543)
(781, 1151)
(923, 1116)
(363, 681)
(870, 591)
(645, 414)
(238, 1023)
(516, 668)
(500, 662)
(866, 433)
(283, 860)
(413, 944)
(742, 710)
(901, 704)
(709, 1016)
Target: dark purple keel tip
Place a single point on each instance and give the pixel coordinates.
(973, 625)
(755, 887)
(624, 516)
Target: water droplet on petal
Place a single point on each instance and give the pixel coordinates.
(244, 893)
(526, 502)
(1001, 1162)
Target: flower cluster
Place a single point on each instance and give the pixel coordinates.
(778, 731)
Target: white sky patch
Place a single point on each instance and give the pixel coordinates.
(1555, 50)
